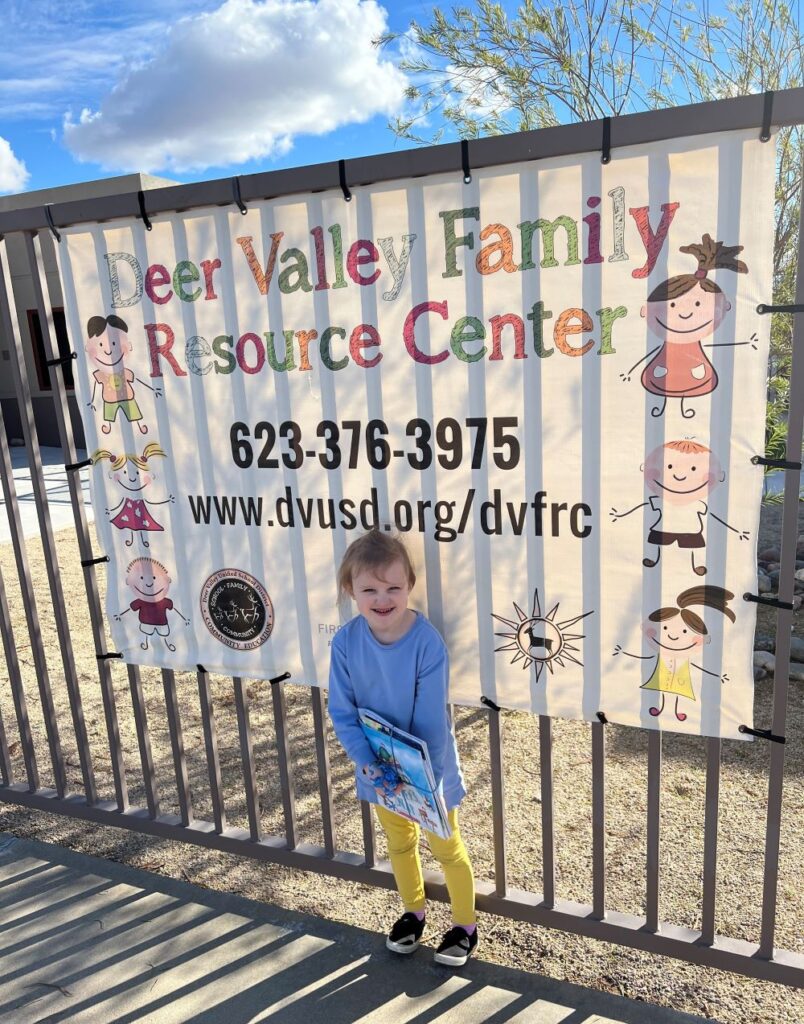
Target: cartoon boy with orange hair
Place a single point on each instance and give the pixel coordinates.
(150, 581)
(681, 474)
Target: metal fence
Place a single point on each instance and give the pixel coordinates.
(93, 803)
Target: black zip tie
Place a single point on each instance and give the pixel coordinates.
(53, 229)
(108, 655)
(279, 679)
(790, 308)
(143, 215)
(86, 562)
(767, 113)
(760, 460)
(72, 466)
(763, 734)
(490, 703)
(237, 197)
(605, 153)
(601, 717)
(61, 361)
(467, 170)
(772, 602)
(347, 195)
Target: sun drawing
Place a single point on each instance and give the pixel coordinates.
(538, 639)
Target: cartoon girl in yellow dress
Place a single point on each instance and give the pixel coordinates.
(680, 634)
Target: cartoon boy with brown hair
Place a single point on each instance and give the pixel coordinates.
(677, 633)
(681, 312)
(681, 474)
(150, 582)
(107, 346)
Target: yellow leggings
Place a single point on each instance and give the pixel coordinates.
(403, 851)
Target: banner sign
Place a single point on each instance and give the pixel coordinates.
(550, 380)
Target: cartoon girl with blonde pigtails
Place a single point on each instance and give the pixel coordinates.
(132, 475)
(682, 311)
(678, 633)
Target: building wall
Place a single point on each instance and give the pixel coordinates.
(22, 283)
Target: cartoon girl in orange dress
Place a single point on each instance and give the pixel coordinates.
(681, 633)
(131, 474)
(682, 311)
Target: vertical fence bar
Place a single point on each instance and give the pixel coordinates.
(247, 757)
(143, 741)
(599, 820)
(324, 773)
(177, 746)
(548, 838)
(285, 771)
(369, 840)
(784, 620)
(17, 688)
(31, 614)
(6, 770)
(498, 801)
(654, 811)
(36, 265)
(211, 746)
(711, 816)
(11, 328)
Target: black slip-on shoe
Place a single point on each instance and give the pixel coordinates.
(406, 934)
(456, 947)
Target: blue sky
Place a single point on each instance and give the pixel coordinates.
(89, 89)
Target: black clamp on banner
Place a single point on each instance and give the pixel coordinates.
(601, 717)
(237, 197)
(86, 562)
(772, 602)
(490, 703)
(767, 114)
(53, 229)
(467, 170)
(605, 148)
(108, 656)
(792, 307)
(143, 215)
(347, 195)
(279, 679)
(71, 467)
(763, 734)
(760, 460)
(61, 360)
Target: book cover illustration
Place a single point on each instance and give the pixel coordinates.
(405, 783)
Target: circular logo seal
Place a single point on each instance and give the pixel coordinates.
(237, 609)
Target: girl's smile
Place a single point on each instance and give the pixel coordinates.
(382, 600)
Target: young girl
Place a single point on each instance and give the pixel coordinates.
(391, 660)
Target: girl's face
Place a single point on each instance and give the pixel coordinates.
(694, 315)
(382, 599)
(130, 478)
(674, 635)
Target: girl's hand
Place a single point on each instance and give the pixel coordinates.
(372, 771)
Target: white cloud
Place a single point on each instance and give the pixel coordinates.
(239, 83)
(13, 172)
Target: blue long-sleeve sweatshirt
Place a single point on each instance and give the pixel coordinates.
(364, 673)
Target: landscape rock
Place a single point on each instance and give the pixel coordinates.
(797, 648)
(764, 643)
(800, 575)
(797, 675)
(769, 555)
(764, 660)
(759, 673)
(763, 583)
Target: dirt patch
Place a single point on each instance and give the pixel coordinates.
(744, 787)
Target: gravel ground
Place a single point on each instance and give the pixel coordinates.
(715, 994)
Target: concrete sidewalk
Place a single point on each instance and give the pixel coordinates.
(83, 939)
(58, 492)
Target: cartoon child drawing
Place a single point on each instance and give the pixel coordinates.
(131, 473)
(680, 474)
(681, 312)
(678, 633)
(107, 346)
(149, 580)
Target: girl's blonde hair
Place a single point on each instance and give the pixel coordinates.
(374, 550)
(140, 461)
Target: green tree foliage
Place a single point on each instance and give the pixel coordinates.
(478, 71)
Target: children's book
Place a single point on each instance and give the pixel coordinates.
(407, 786)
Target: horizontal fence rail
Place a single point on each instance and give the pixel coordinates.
(46, 786)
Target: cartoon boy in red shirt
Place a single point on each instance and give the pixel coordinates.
(150, 582)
